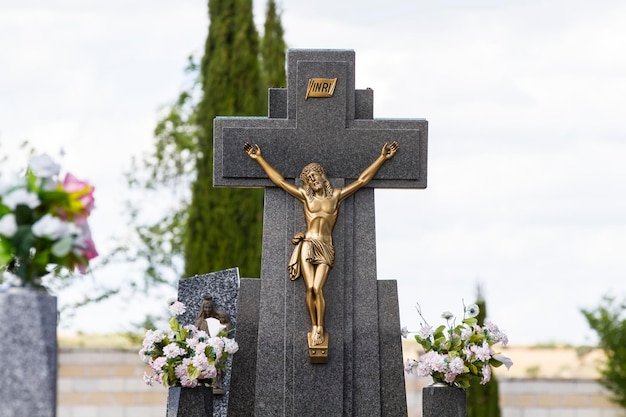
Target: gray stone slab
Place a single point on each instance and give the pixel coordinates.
(224, 287)
(243, 377)
(441, 400)
(28, 321)
(393, 390)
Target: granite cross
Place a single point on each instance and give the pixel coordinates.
(320, 117)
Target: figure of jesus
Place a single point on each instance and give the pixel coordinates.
(314, 254)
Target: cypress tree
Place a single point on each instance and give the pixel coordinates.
(483, 400)
(273, 48)
(224, 227)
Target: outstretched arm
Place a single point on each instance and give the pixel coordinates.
(388, 151)
(254, 152)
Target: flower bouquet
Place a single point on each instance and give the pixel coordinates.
(43, 223)
(186, 356)
(456, 354)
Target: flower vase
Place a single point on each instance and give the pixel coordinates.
(28, 325)
(190, 402)
(443, 400)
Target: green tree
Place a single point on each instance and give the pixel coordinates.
(212, 228)
(273, 48)
(224, 227)
(609, 322)
(483, 400)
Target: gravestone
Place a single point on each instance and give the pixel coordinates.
(320, 117)
(224, 287)
(28, 375)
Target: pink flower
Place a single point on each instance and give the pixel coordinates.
(456, 366)
(209, 372)
(450, 377)
(483, 353)
(81, 200)
(158, 363)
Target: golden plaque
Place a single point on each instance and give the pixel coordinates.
(321, 87)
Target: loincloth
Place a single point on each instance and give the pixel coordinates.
(318, 252)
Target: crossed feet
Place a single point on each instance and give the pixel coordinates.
(317, 335)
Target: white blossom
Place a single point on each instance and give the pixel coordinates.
(50, 227)
(230, 346)
(20, 196)
(8, 225)
(404, 332)
(177, 308)
(472, 310)
(44, 166)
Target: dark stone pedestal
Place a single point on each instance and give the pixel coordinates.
(190, 402)
(442, 400)
(28, 376)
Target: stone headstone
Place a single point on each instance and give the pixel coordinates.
(338, 131)
(28, 376)
(224, 287)
(243, 377)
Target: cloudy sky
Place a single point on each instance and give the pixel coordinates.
(527, 138)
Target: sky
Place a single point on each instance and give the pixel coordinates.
(527, 138)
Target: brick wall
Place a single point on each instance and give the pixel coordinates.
(108, 383)
(524, 397)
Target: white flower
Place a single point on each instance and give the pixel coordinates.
(50, 227)
(425, 331)
(409, 365)
(20, 196)
(466, 333)
(472, 310)
(172, 351)
(446, 315)
(230, 346)
(148, 379)
(404, 332)
(8, 226)
(504, 359)
(44, 166)
(215, 327)
(486, 374)
(177, 308)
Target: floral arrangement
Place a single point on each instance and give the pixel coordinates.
(186, 356)
(43, 223)
(456, 354)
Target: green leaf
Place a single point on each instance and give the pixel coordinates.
(473, 369)
(174, 324)
(470, 321)
(495, 363)
(193, 372)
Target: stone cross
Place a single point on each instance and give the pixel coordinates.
(320, 117)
